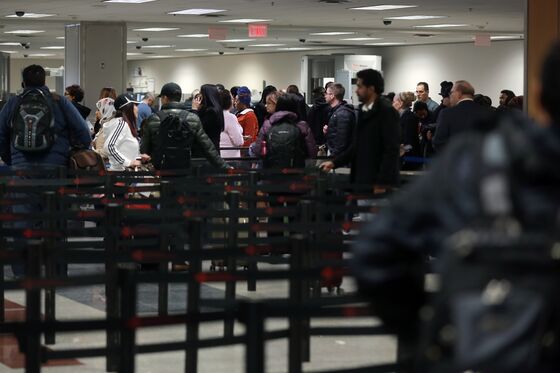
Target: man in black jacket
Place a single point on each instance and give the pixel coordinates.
(374, 152)
(151, 144)
(390, 256)
(342, 119)
(463, 115)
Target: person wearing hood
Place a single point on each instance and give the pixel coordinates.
(342, 119)
(121, 135)
(75, 94)
(285, 111)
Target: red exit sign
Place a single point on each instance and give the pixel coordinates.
(258, 30)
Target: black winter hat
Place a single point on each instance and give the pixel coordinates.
(170, 90)
(445, 90)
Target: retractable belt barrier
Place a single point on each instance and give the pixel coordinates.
(235, 219)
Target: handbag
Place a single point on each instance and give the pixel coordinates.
(85, 160)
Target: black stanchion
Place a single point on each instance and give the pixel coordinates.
(252, 206)
(32, 338)
(128, 285)
(231, 260)
(295, 340)
(50, 206)
(252, 314)
(2, 247)
(166, 191)
(193, 296)
(306, 215)
(113, 214)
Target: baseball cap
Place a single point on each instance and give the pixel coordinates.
(170, 90)
(123, 100)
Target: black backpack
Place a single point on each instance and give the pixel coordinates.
(498, 306)
(285, 147)
(176, 140)
(32, 122)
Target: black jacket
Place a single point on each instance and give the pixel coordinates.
(212, 126)
(342, 120)
(83, 110)
(374, 152)
(317, 118)
(151, 143)
(465, 116)
(390, 254)
(260, 112)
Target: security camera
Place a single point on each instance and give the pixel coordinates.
(20, 13)
(241, 49)
(144, 39)
(387, 22)
(221, 53)
(138, 47)
(25, 55)
(302, 40)
(25, 45)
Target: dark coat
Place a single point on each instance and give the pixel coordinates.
(342, 120)
(463, 117)
(374, 152)
(318, 117)
(260, 112)
(151, 143)
(83, 110)
(409, 132)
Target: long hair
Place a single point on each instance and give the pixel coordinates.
(266, 91)
(127, 113)
(211, 101)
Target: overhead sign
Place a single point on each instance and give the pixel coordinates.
(482, 41)
(217, 33)
(258, 30)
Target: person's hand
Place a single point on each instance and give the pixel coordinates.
(327, 166)
(429, 135)
(325, 129)
(145, 158)
(197, 102)
(136, 163)
(97, 115)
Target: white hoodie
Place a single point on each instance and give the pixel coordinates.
(120, 145)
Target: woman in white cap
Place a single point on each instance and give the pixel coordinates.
(121, 135)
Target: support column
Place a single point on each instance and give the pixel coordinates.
(95, 57)
(542, 28)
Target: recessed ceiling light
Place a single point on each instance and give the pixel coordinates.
(414, 18)
(190, 50)
(10, 43)
(384, 7)
(156, 29)
(442, 25)
(128, 1)
(246, 20)
(360, 39)
(31, 15)
(267, 45)
(235, 40)
(60, 37)
(193, 36)
(53, 47)
(24, 32)
(385, 44)
(9, 52)
(197, 12)
(332, 33)
(41, 55)
(157, 46)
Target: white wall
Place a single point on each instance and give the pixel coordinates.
(17, 66)
(488, 69)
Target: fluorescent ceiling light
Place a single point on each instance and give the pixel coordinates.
(190, 50)
(506, 37)
(156, 29)
(332, 33)
(133, 54)
(41, 55)
(160, 56)
(294, 49)
(53, 47)
(157, 46)
(24, 32)
(267, 45)
(384, 7)
(31, 15)
(9, 52)
(12, 43)
(235, 40)
(60, 37)
(385, 44)
(193, 36)
(360, 39)
(131, 42)
(414, 18)
(128, 1)
(198, 12)
(246, 20)
(442, 25)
